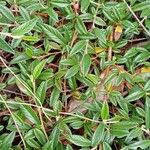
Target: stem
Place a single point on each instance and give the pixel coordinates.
(140, 23)
(14, 121)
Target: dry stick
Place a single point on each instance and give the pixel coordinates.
(39, 112)
(109, 53)
(62, 113)
(44, 56)
(92, 2)
(140, 23)
(13, 92)
(14, 121)
(6, 24)
(42, 108)
(73, 38)
(110, 48)
(95, 15)
(38, 100)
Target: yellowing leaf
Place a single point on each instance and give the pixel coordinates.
(145, 70)
(109, 87)
(118, 32)
(76, 95)
(118, 29)
(99, 49)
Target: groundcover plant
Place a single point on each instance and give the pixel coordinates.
(74, 74)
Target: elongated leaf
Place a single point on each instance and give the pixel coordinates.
(105, 111)
(7, 13)
(5, 46)
(80, 141)
(135, 96)
(8, 141)
(54, 96)
(84, 5)
(72, 71)
(40, 136)
(98, 135)
(86, 62)
(41, 91)
(24, 13)
(147, 113)
(133, 134)
(141, 6)
(100, 21)
(30, 114)
(19, 58)
(60, 3)
(147, 86)
(78, 47)
(142, 57)
(140, 144)
(33, 143)
(80, 26)
(25, 28)
(24, 86)
(38, 69)
(106, 146)
(53, 33)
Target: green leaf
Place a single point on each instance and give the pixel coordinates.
(19, 58)
(84, 5)
(78, 47)
(54, 96)
(142, 57)
(24, 28)
(105, 111)
(7, 13)
(24, 86)
(60, 3)
(7, 142)
(98, 135)
(131, 52)
(30, 114)
(147, 86)
(68, 147)
(106, 146)
(30, 38)
(140, 111)
(119, 133)
(40, 136)
(72, 71)
(147, 112)
(41, 91)
(86, 63)
(80, 27)
(133, 134)
(79, 141)
(99, 21)
(53, 33)
(34, 144)
(24, 13)
(135, 96)
(5, 46)
(141, 6)
(140, 144)
(38, 69)
(52, 13)
(55, 134)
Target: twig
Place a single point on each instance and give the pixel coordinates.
(13, 92)
(38, 100)
(140, 23)
(14, 121)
